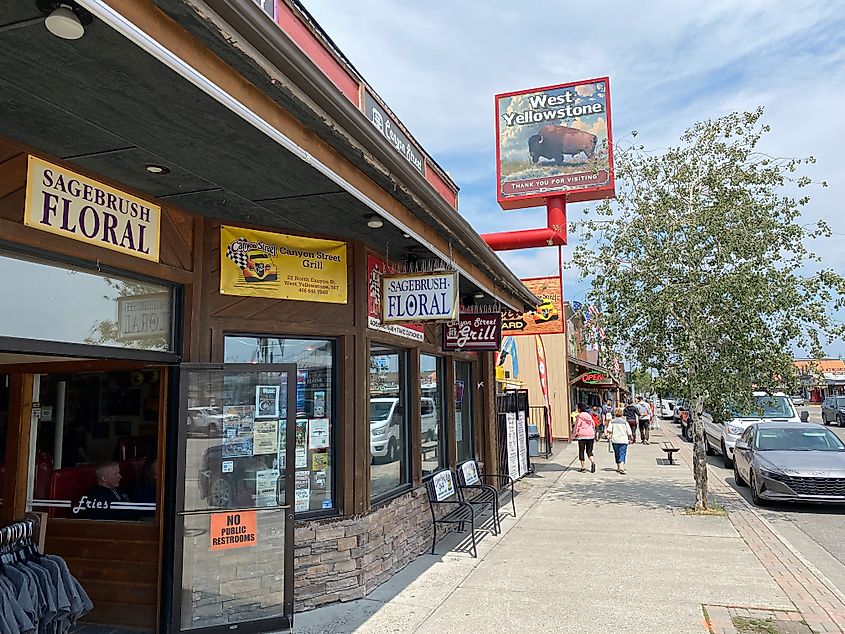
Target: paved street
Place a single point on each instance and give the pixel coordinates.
(818, 532)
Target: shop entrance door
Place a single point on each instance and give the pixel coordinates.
(234, 538)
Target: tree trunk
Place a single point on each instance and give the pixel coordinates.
(699, 461)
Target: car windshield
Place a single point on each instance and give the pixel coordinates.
(768, 407)
(790, 439)
(379, 410)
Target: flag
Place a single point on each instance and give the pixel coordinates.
(543, 372)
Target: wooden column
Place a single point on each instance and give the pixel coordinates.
(17, 446)
(485, 417)
(448, 391)
(414, 416)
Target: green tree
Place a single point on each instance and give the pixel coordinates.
(701, 268)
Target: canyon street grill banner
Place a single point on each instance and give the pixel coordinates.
(73, 206)
(546, 319)
(419, 297)
(474, 332)
(264, 264)
(376, 267)
(554, 141)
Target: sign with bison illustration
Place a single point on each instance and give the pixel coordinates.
(554, 141)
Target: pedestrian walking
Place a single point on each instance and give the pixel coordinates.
(619, 435)
(598, 420)
(585, 434)
(632, 415)
(644, 416)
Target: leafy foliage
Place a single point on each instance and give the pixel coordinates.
(700, 263)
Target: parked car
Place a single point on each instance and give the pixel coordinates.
(797, 399)
(720, 437)
(386, 423)
(667, 408)
(833, 410)
(428, 418)
(790, 462)
(205, 420)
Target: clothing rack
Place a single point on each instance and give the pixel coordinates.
(17, 537)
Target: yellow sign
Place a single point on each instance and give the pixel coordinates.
(263, 264)
(73, 206)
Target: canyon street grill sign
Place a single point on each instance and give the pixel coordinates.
(474, 332)
(419, 297)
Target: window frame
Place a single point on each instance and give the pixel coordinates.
(443, 436)
(333, 421)
(468, 396)
(404, 377)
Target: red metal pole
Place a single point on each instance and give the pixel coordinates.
(553, 235)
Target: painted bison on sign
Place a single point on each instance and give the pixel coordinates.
(556, 141)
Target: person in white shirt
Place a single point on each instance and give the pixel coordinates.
(644, 414)
(619, 436)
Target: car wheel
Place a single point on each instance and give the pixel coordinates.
(738, 478)
(212, 429)
(824, 420)
(707, 448)
(726, 460)
(392, 450)
(755, 496)
(220, 493)
(839, 421)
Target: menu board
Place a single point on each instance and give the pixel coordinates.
(522, 442)
(513, 445)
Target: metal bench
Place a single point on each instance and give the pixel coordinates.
(670, 450)
(443, 491)
(502, 480)
(481, 496)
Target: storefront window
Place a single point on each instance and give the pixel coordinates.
(314, 359)
(432, 415)
(463, 410)
(388, 420)
(57, 302)
(96, 445)
(4, 431)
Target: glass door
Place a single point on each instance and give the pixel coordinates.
(235, 517)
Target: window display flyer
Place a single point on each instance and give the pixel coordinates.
(238, 423)
(302, 491)
(319, 460)
(318, 433)
(266, 437)
(301, 447)
(319, 404)
(266, 482)
(267, 401)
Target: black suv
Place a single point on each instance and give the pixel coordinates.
(833, 410)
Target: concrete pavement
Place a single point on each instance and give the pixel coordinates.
(587, 553)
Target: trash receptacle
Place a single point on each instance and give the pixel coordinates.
(533, 441)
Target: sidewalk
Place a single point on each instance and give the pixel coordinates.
(594, 553)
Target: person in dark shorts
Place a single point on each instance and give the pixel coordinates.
(644, 416)
(585, 434)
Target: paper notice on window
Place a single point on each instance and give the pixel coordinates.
(265, 487)
(302, 491)
(265, 437)
(318, 433)
(522, 443)
(513, 445)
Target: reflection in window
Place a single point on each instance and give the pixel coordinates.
(463, 411)
(388, 420)
(314, 360)
(107, 310)
(96, 445)
(432, 416)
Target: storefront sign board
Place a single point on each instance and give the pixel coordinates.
(73, 206)
(546, 319)
(474, 332)
(376, 267)
(419, 297)
(387, 125)
(142, 316)
(233, 530)
(279, 266)
(593, 378)
(554, 141)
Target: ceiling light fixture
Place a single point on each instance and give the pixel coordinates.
(152, 168)
(66, 20)
(374, 221)
(478, 295)
(406, 235)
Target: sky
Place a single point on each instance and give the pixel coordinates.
(438, 65)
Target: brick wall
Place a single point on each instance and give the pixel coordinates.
(346, 558)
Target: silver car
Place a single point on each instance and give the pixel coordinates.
(788, 462)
